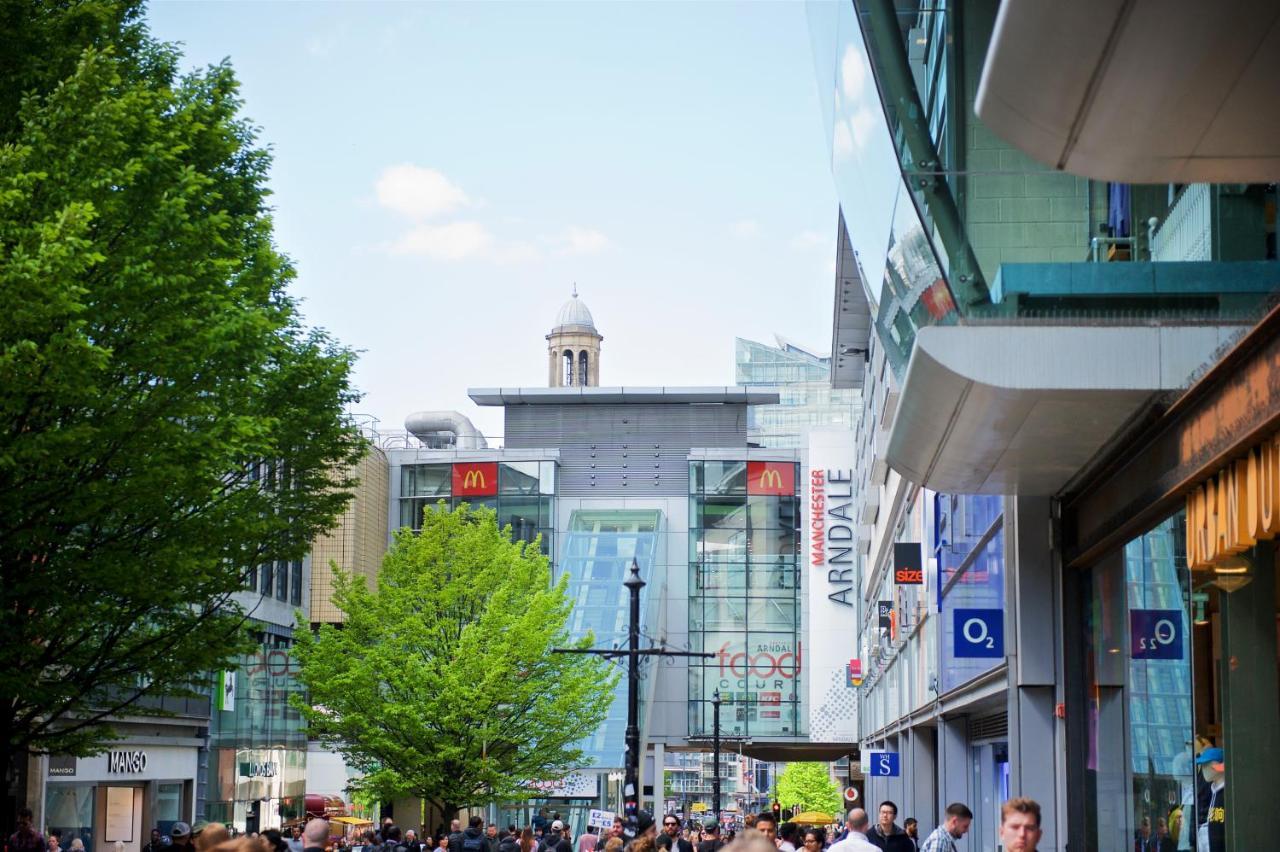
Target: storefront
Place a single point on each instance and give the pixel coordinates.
(119, 795)
(1170, 585)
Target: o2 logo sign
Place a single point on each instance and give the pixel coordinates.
(1155, 634)
(979, 633)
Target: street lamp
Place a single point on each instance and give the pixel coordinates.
(715, 750)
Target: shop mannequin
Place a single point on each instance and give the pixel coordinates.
(1211, 831)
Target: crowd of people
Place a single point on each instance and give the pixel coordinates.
(1019, 832)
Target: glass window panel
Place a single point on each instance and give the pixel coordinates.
(720, 546)
(268, 574)
(767, 544)
(725, 477)
(719, 578)
(518, 478)
(425, 480)
(773, 512)
(295, 584)
(547, 477)
(521, 513)
(282, 580)
(695, 477)
(772, 613)
(69, 807)
(724, 513)
(767, 576)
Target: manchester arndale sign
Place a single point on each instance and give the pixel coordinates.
(829, 578)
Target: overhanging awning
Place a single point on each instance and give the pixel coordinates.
(1005, 409)
(1140, 91)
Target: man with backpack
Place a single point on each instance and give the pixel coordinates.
(391, 841)
(554, 840)
(473, 839)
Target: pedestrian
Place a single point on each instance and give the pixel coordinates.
(26, 838)
(491, 837)
(211, 834)
(711, 841)
(315, 837)
(670, 837)
(156, 844)
(294, 840)
(77, 845)
(613, 844)
(955, 825)
(471, 839)
(455, 835)
(766, 824)
(912, 829)
(855, 839)
(788, 834)
(885, 834)
(554, 840)
(1020, 825)
(587, 842)
(181, 834)
(510, 841)
(814, 840)
(646, 833)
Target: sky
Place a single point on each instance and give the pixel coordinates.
(444, 173)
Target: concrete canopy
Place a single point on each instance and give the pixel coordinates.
(1022, 409)
(1138, 91)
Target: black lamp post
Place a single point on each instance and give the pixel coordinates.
(715, 750)
(633, 653)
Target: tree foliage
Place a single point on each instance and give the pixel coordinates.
(441, 682)
(166, 422)
(808, 786)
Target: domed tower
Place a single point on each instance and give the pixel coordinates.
(573, 347)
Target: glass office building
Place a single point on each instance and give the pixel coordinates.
(805, 396)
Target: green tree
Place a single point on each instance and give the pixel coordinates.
(441, 683)
(808, 787)
(166, 421)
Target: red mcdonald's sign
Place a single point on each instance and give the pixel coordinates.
(475, 479)
(776, 478)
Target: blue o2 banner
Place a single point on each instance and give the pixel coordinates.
(884, 764)
(1155, 634)
(979, 632)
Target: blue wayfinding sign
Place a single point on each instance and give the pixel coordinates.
(1155, 634)
(884, 764)
(979, 633)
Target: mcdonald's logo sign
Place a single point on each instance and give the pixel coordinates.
(475, 479)
(777, 478)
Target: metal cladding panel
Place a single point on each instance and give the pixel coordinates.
(619, 449)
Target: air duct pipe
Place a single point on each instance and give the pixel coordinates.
(431, 427)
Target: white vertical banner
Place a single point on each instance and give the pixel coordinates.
(830, 576)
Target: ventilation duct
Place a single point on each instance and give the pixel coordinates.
(442, 430)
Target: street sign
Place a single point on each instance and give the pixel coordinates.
(1155, 634)
(979, 633)
(697, 808)
(884, 764)
(884, 609)
(599, 819)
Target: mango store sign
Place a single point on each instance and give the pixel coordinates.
(829, 581)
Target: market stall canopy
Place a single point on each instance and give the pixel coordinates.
(812, 818)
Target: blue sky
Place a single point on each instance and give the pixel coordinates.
(444, 172)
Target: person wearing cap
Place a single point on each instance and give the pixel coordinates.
(181, 834)
(1211, 828)
(554, 840)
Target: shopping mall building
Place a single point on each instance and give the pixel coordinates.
(675, 481)
(1056, 266)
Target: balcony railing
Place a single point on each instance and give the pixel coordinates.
(1186, 233)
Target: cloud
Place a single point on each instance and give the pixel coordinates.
(418, 192)
(853, 73)
(454, 241)
(808, 240)
(578, 240)
(842, 143)
(745, 228)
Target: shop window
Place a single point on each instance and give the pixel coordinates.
(70, 808)
(295, 570)
(282, 580)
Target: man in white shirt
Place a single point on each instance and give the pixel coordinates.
(856, 841)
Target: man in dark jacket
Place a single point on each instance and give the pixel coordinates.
(886, 835)
(554, 840)
(473, 839)
(669, 837)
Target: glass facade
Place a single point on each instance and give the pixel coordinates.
(806, 398)
(967, 579)
(599, 549)
(523, 495)
(1142, 719)
(744, 603)
(258, 750)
